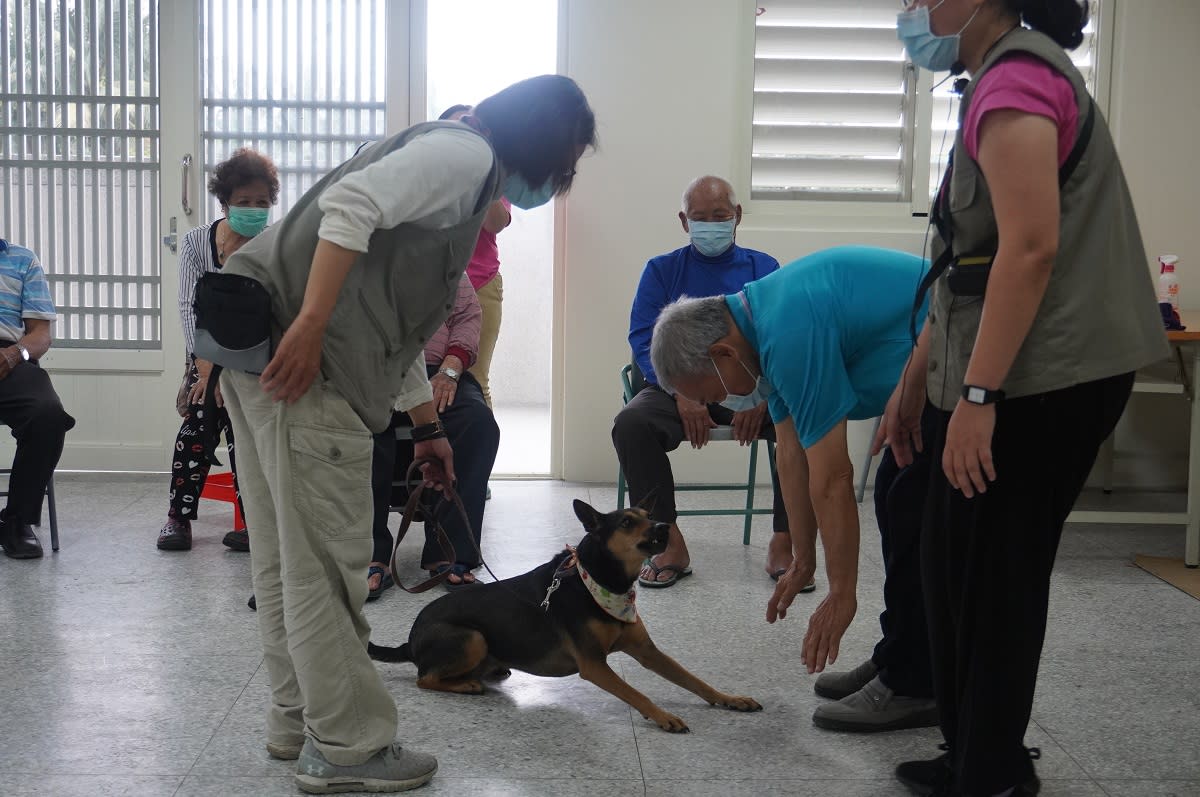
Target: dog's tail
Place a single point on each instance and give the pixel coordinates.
(385, 653)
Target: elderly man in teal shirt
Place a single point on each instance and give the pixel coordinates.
(823, 342)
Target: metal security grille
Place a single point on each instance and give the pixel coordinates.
(299, 80)
(79, 154)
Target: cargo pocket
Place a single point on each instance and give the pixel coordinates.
(331, 479)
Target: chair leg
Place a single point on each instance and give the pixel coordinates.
(620, 488)
(866, 468)
(750, 479)
(53, 515)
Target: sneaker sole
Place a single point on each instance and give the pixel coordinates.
(313, 785)
(284, 752)
(923, 719)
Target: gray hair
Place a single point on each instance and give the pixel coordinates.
(685, 330)
(709, 184)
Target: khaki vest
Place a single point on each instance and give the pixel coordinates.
(396, 296)
(1098, 317)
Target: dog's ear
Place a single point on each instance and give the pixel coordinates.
(589, 517)
(648, 501)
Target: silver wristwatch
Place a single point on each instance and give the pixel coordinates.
(24, 352)
(450, 372)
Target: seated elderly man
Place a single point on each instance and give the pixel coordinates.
(823, 341)
(473, 434)
(28, 403)
(657, 421)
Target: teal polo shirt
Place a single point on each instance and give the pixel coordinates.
(832, 333)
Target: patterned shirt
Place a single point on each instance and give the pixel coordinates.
(24, 291)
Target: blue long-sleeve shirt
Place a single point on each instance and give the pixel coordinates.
(686, 272)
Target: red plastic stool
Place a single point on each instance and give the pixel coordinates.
(219, 487)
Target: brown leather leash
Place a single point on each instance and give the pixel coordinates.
(416, 489)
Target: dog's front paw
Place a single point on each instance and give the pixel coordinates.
(671, 724)
(736, 703)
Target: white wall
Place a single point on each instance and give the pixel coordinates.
(670, 82)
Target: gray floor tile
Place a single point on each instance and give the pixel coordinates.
(23, 785)
(1151, 788)
(139, 672)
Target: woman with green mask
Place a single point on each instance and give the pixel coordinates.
(246, 186)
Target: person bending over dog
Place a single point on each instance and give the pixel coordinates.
(656, 421)
(473, 433)
(559, 619)
(823, 341)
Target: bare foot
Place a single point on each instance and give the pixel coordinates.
(676, 554)
(779, 554)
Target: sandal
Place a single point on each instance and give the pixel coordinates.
(677, 573)
(385, 581)
(458, 569)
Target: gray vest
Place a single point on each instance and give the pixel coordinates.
(1098, 317)
(396, 296)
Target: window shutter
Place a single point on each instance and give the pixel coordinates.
(832, 102)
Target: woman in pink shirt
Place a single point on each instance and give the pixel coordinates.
(484, 271)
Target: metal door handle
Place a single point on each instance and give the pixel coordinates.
(186, 163)
(172, 240)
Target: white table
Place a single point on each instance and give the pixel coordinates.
(1186, 339)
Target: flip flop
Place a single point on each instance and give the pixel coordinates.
(385, 582)
(679, 572)
(775, 575)
(456, 569)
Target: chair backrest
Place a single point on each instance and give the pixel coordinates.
(632, 380)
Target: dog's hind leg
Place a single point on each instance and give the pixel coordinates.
(453, 663)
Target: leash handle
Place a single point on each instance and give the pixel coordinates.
(416, 489)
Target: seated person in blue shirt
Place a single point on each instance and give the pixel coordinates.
(657, 421)
(823, 341)
(28, 403)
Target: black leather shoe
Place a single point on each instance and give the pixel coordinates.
(19, 541)
(926, 777)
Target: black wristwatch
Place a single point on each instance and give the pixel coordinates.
(975, 394)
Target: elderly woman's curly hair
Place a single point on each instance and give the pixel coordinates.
(242, 168)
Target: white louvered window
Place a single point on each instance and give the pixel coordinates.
(299, 80)
(836, 112)
(79, 162)
(833, 102)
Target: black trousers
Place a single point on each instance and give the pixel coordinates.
(31, 408)
(902, 655)
(189, 468)
(475, 437)
(986, 565)
(645, 430)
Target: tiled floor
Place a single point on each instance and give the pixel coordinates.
(127, 671)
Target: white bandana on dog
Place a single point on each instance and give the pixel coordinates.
(622, 606)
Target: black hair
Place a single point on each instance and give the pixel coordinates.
(1061, 20)
(453, 109)
(243, 167)
(538, 126)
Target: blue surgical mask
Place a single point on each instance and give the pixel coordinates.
(247, 221)
(739, 403)
(711, 238)
(925, 48)
(523, 195)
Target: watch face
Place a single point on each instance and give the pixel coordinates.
(976, 395)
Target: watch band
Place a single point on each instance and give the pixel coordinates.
(974, 394)
(428, 431)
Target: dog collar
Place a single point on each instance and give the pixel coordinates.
(620, 606)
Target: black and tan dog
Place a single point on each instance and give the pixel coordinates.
(562, 618)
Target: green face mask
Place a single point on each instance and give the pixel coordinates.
(247, 221)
